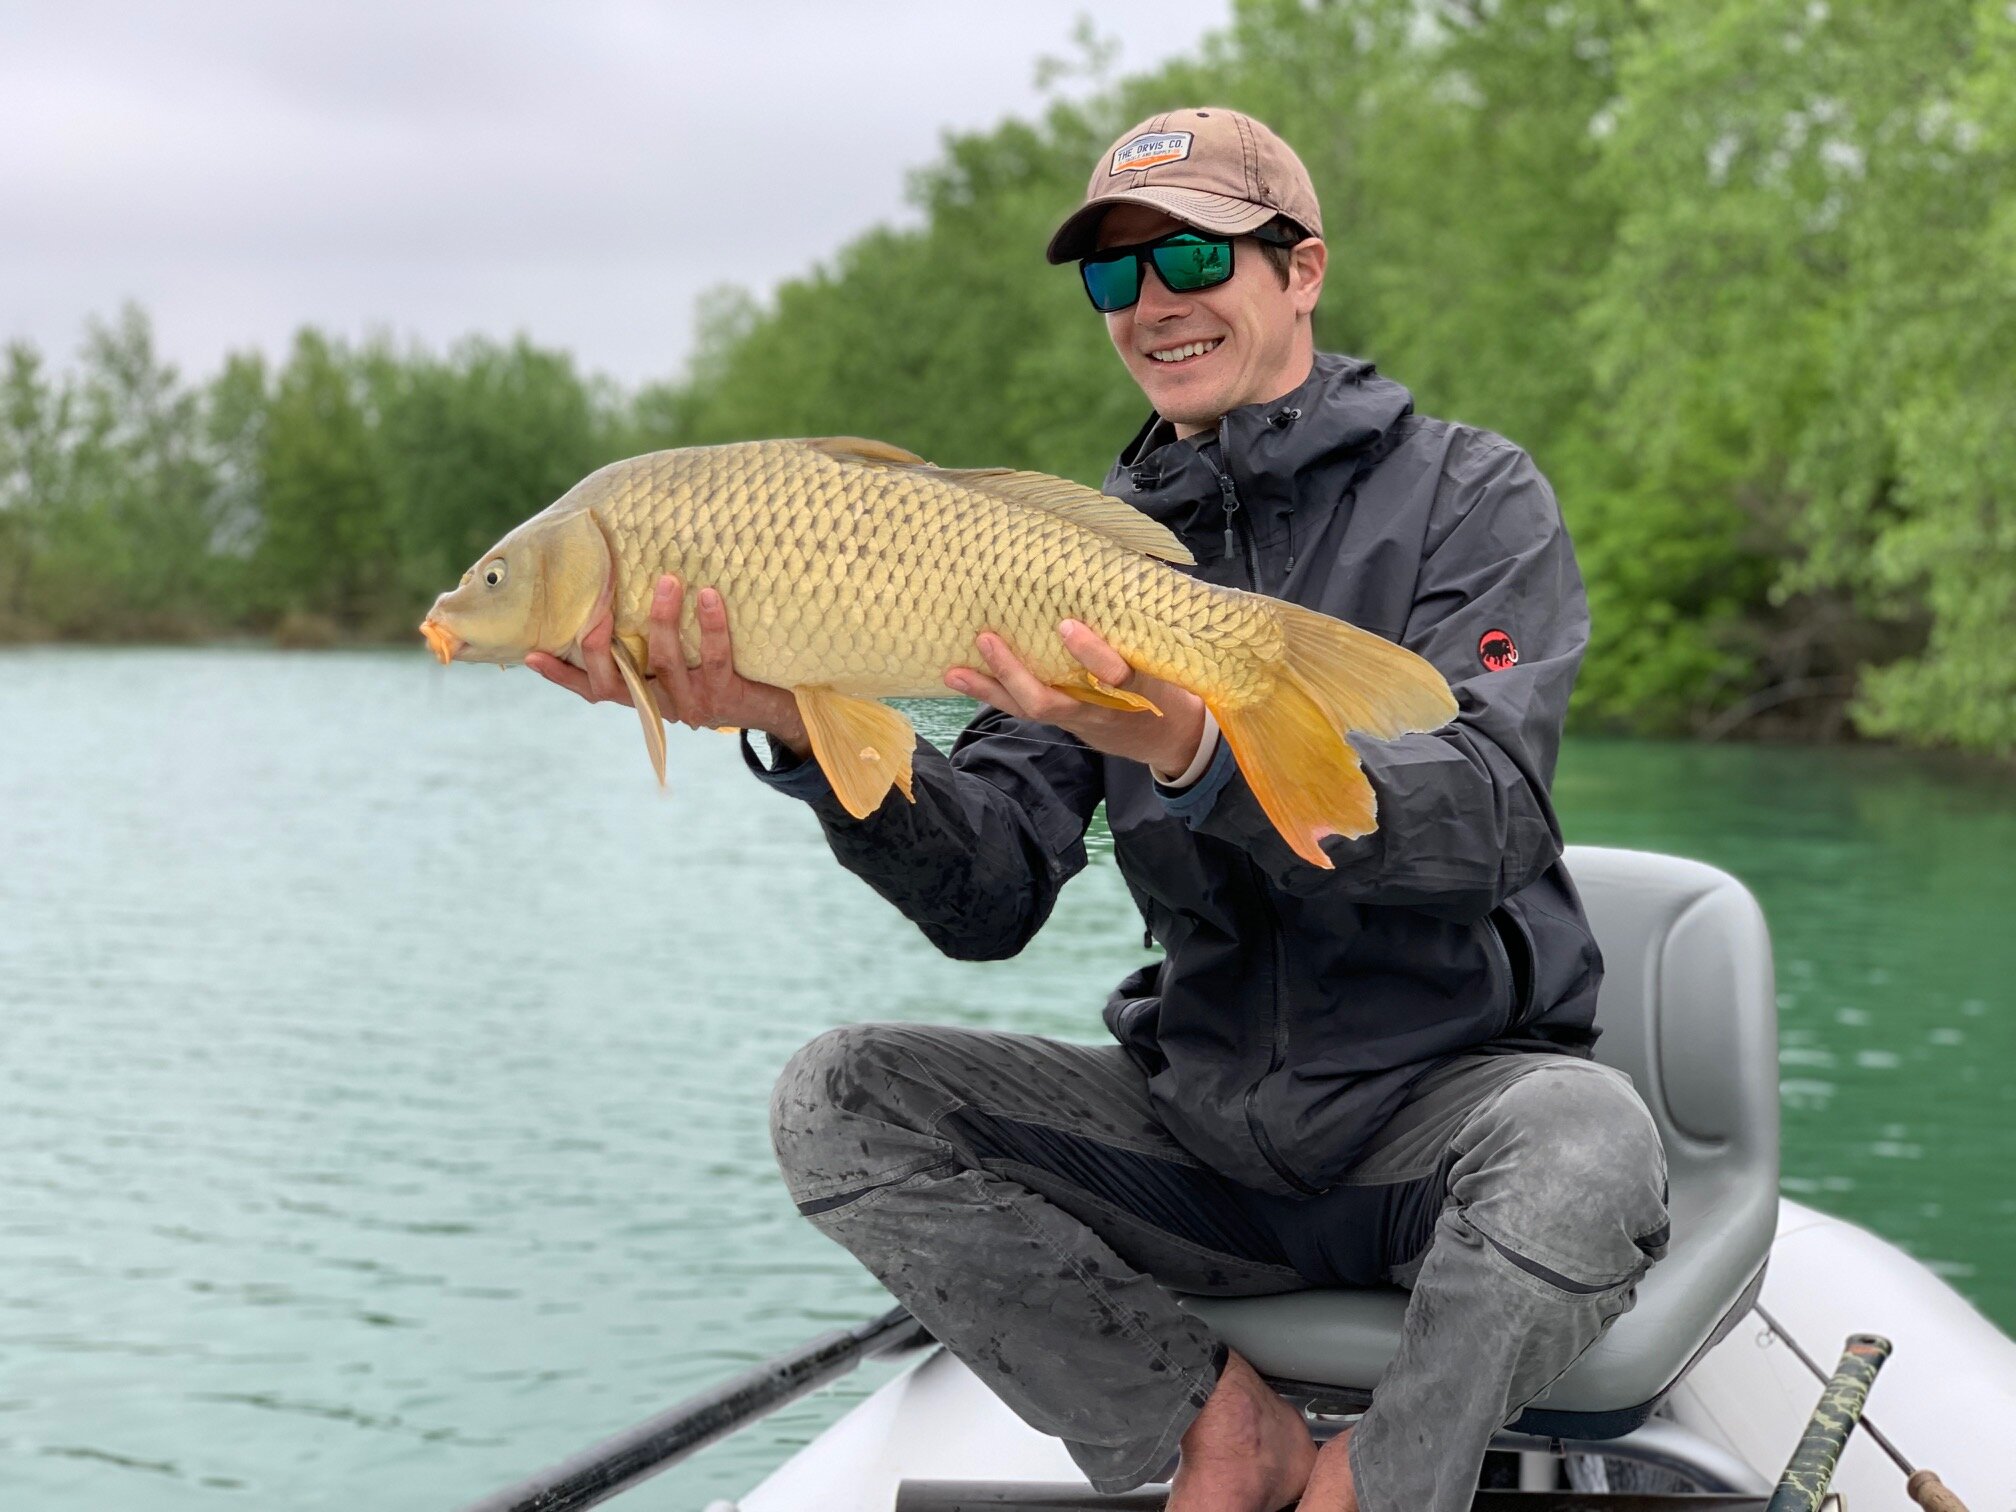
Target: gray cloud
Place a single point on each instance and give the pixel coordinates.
(577, 171)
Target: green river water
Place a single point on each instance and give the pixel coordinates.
(385, 1061)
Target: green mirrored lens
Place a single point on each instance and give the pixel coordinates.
(1187, 263)
(1113, 285)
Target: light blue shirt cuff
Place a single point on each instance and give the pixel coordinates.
(1193, 803)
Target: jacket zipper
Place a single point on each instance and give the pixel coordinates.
(1228, 498)
(1277, 1051)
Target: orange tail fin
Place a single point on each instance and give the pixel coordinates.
(1335, 677)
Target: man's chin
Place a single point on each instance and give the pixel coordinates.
(1189, 405)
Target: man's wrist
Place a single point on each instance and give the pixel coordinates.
(1200, 759)
(796, 741)
(789, 747)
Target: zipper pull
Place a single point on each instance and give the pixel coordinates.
(1230, 500)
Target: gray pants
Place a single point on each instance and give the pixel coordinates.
(1021, 1198)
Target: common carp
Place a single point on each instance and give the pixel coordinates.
(853, 571)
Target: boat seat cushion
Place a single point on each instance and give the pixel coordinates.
(1687, 1010)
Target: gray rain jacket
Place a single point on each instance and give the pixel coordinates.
(1293, 1006)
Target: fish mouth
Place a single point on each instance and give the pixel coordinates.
(442, 641)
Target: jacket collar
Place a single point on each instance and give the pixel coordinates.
(1335, 418)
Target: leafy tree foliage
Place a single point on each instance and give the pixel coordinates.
(108, 492)
(1737, 272)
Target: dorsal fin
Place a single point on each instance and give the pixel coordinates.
(1119, 522)
(860, 449)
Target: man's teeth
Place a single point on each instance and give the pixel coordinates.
(1193, 349)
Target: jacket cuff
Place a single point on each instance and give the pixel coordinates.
(796, 775)
(1194, 803)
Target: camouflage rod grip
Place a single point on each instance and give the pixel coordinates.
(1804, 1484)
(1932, 1494)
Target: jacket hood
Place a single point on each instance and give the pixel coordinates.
(1340, 417)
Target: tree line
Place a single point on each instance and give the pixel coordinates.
(1740, 273)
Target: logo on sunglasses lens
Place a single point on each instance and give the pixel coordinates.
(1150, 150)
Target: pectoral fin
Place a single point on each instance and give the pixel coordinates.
(862, 746)
(647, 705)
(1087, 687)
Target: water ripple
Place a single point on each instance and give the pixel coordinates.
(380, 1051)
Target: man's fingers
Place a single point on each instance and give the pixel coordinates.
(667, 653)
(717, 652)
(1036, 700)
(979, 685)
(1094, 655)
(605, 683)
(554, 670)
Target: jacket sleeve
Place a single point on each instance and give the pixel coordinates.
(998, 828)
(1464, 817)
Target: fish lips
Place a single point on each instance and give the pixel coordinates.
(443, 642)
(450, 645)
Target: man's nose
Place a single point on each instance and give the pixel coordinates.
(1158, 302)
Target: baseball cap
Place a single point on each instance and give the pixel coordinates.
(1215, 169)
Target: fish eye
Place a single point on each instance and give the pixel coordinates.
(493, 573)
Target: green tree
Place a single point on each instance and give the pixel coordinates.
(472, 444)
(326, 546)
(1737, 272)
(35, 427)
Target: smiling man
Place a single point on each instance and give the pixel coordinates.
(1375, 1073)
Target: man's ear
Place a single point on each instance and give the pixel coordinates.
(1306, 265)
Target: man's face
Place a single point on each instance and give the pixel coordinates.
(1258, 343)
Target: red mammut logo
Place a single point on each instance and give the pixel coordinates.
(1496, 651)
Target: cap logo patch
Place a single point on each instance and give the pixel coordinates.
(1151, 149)
(1496, 651)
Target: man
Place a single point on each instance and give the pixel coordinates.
(1371, 1073)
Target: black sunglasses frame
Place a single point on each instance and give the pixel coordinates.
(1143, 256)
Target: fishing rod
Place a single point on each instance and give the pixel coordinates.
(637, 1453)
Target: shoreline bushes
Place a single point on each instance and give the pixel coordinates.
(1740, 274)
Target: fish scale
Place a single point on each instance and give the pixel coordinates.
(853, 572)
(877, 594)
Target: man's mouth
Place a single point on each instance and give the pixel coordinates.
(1189, 351)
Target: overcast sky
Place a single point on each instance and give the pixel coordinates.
(578, 170)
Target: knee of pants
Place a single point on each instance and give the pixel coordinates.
(1566, 1167)
(832, 1094)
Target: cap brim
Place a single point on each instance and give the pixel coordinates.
(1196, 207)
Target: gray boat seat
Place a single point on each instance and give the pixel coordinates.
(1687, 1009)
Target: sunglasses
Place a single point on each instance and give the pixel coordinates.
(1185, 261)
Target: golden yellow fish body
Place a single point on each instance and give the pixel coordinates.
(873, 580)
(854, 572)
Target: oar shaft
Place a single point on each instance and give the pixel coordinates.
(1804, 1485)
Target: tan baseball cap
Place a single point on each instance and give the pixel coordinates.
(1217, 170)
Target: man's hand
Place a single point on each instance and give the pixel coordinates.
(1165, 745)
(709, 696)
